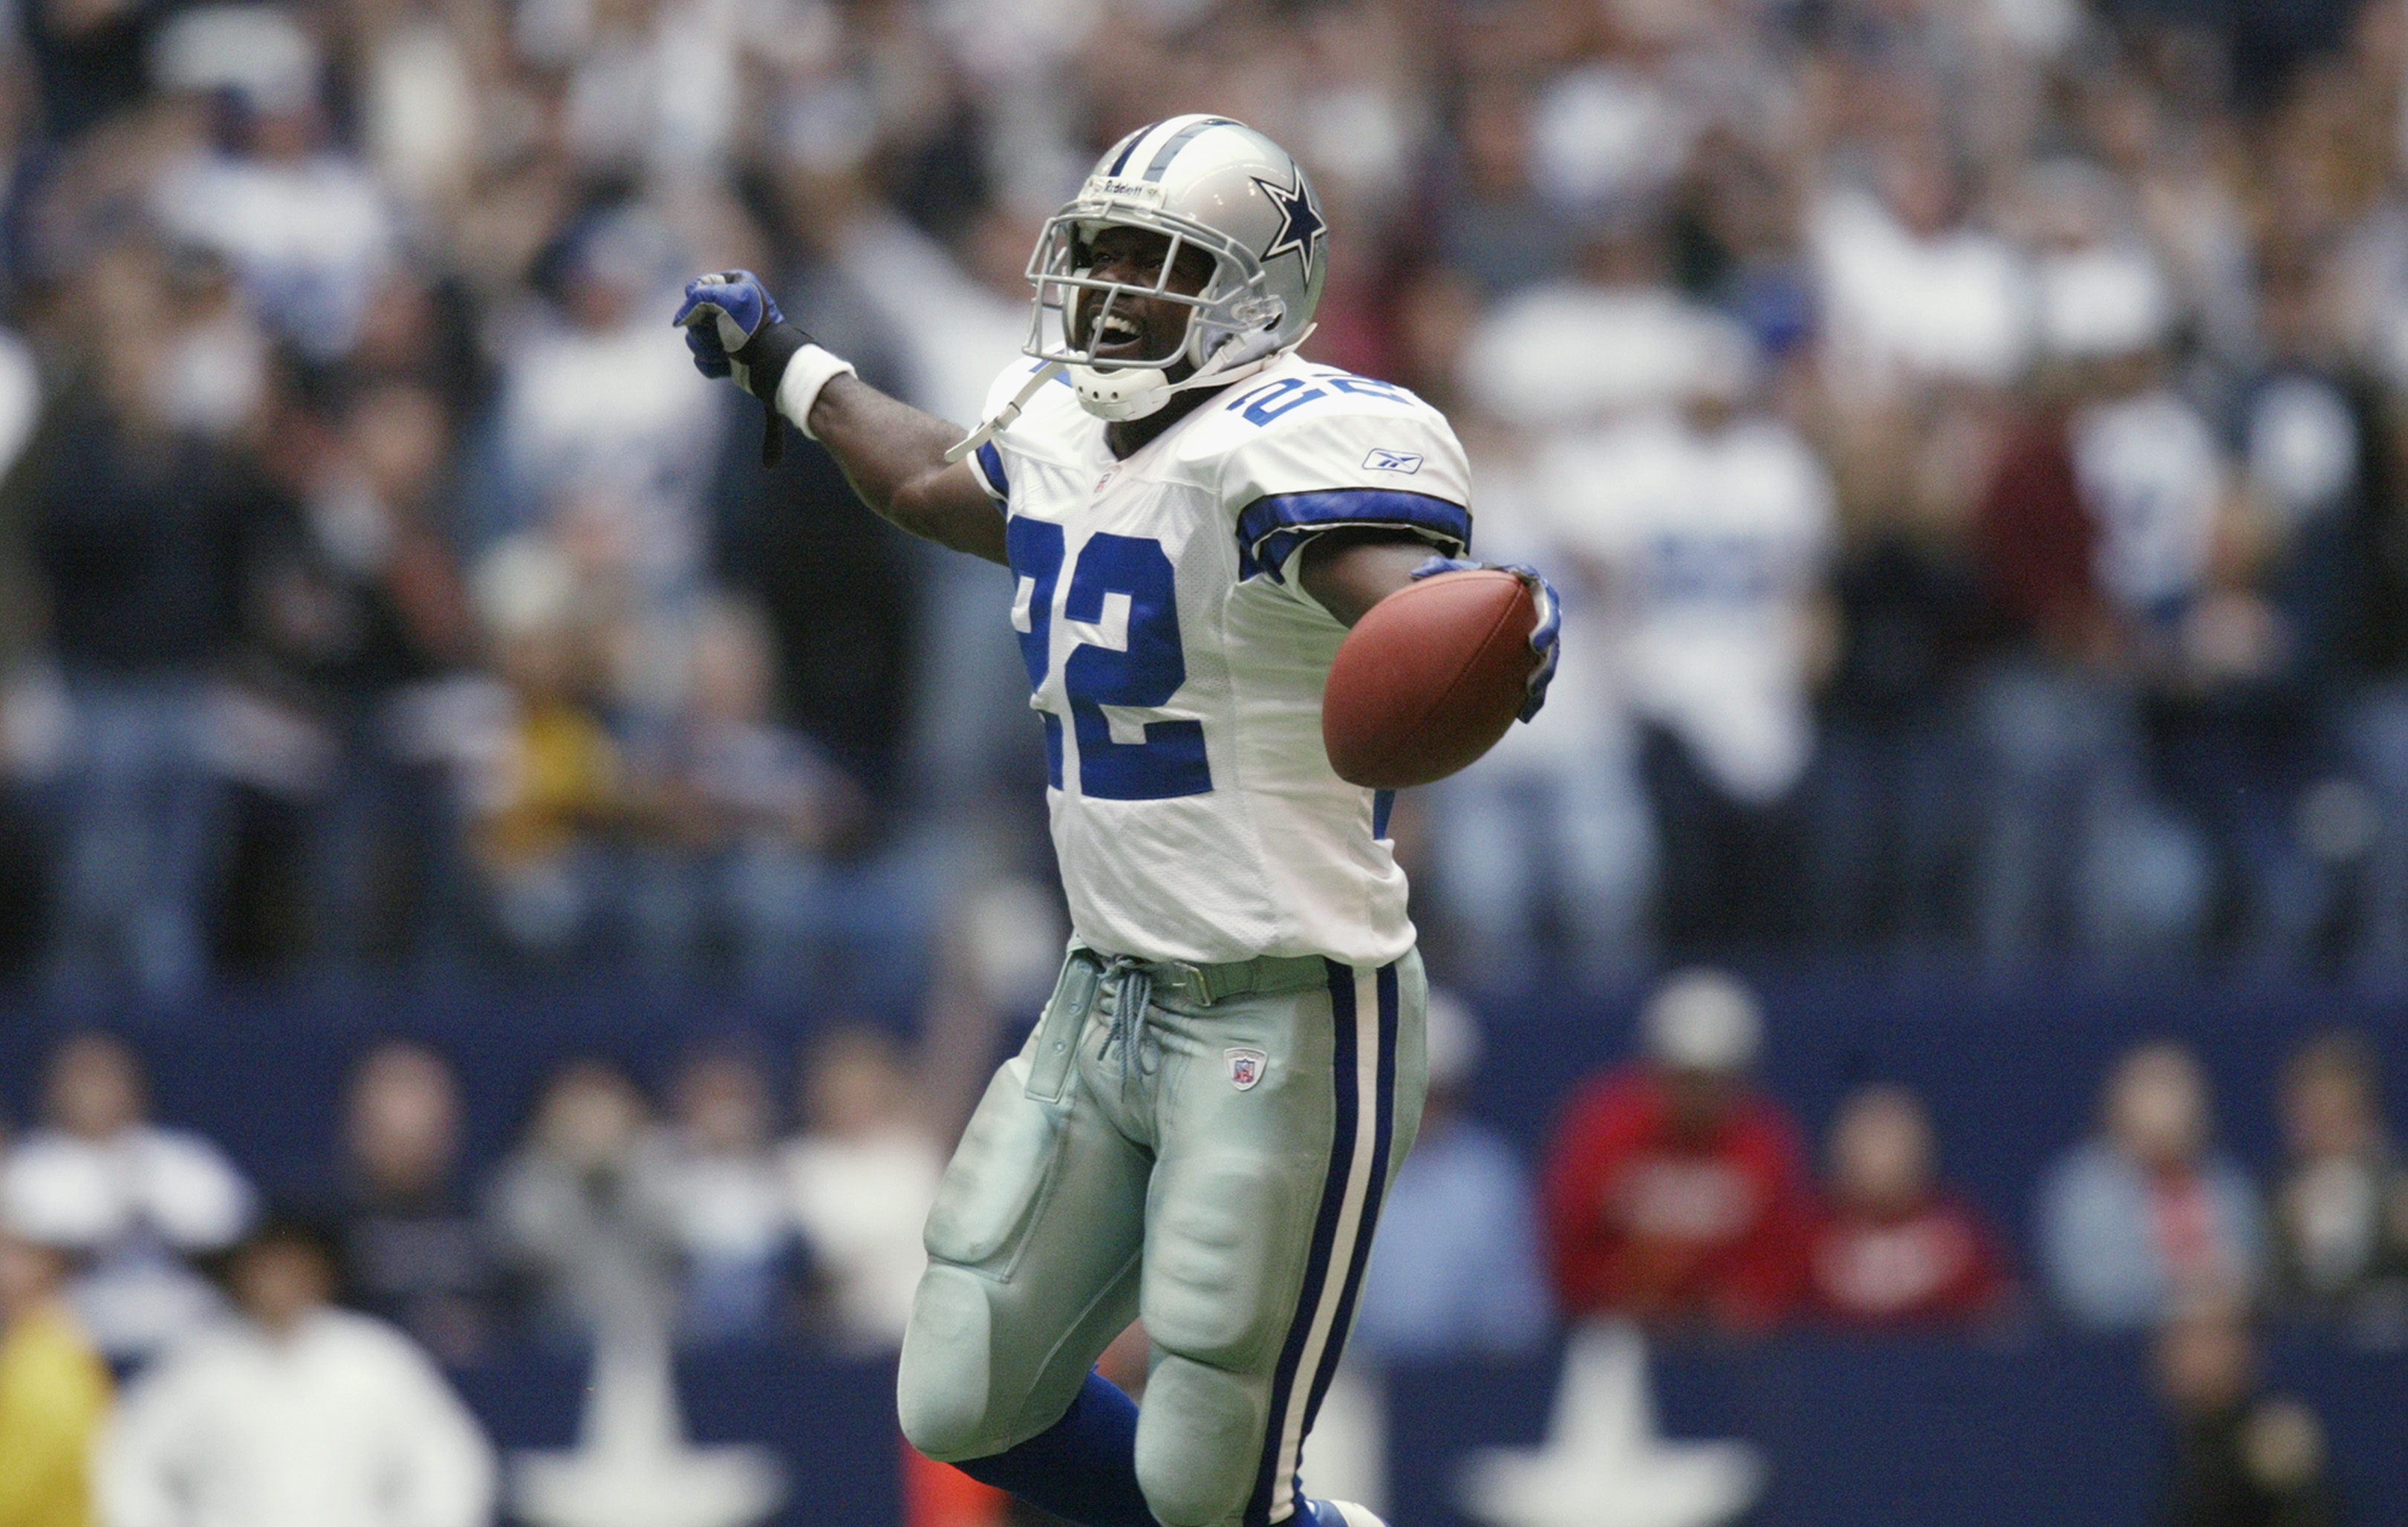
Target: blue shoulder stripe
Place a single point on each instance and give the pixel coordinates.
(1271, 529)
(990, 466)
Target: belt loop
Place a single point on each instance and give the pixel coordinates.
(1060, 1028)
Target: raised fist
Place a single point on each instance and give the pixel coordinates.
(733, 327)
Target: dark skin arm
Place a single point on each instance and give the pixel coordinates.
(894, 455)
(1349, 571)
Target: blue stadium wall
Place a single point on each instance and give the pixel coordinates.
(2037, 1426)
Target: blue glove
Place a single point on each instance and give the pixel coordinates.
(1546, 638)
(733, 327)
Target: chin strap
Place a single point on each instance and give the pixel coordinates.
(1241, 371)
(1004, 415)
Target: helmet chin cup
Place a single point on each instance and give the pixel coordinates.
(1122, 393)
(1135, 391)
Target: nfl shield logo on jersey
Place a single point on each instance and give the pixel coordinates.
(1245, 1066)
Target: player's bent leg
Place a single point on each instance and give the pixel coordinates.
(1264, 1198)
(1082, 1468)
(1033, 1249)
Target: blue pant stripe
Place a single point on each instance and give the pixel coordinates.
(1382, 1135)
(1324, 1232)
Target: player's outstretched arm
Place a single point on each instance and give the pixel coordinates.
(892, 453)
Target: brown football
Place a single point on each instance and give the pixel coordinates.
(1430, 679)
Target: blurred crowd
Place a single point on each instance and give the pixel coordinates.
(284, 1358)
(1969, 435)
(1674, 1193)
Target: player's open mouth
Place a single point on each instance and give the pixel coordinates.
(1121, 336)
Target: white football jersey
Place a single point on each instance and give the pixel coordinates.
(2154, 477)
(1711, 545)
(1178, 665)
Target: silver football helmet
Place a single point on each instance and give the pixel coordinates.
(1205, 182)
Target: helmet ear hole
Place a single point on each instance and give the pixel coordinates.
(1260, 312)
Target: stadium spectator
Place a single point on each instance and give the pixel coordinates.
(726, 1199)
(2241, 1457)
(1894, 1246)
(2237, 718)
(748, 812)
(1455, 1271)
(1493, 226)
(2096, 535)
(54, 1392)
(292, 1414)
(861, 1179)
(580, 1210)
(129, 1199)
(1675, 1190)
(414, 1252)
(1889, 783)
(2341, 1209)
(599, 439)
(1550, 832)
(2149, 1217)
(553, 777)
(1913, 291)
(306, 228)
(1618, 338)
(360, 617)
(136, 516)
(1702, 522)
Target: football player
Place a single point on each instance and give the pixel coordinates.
(1230, 1070)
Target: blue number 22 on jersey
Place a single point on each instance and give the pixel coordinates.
(1146, 670)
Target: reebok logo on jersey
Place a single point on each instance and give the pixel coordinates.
(1245, 1066)
(1384, 459)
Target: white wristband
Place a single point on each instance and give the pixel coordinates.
(810, 369)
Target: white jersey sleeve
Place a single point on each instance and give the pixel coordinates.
(1317, 450)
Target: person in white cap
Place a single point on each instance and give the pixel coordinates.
(1676, 1190)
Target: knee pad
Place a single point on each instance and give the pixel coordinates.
(942, 1389)
(1199, 1440)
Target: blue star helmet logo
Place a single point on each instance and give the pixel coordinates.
(1302, 230)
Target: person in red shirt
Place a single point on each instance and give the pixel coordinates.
(1675, 1190)
(1893, 1247)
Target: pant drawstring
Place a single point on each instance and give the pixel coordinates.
(1132, 983)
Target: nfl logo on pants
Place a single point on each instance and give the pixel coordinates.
(1245, 1066)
